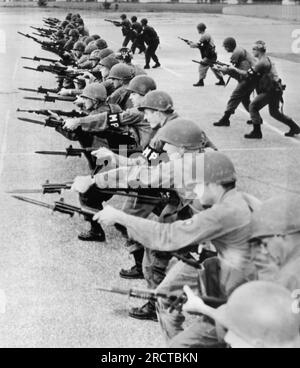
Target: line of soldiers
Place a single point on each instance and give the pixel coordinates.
(255, 72)
(209, 239)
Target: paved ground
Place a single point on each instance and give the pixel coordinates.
(48, 276)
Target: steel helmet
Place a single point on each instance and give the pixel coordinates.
(109, 61)
(79, 46)
(183, 133)
(121, 72)
(229, 43)
(277, 216)
(96, 37)
(90, 48)
(74, 33)
(95, 55)
(212, 167)
(95, 91)
(201, 27)
(141, 84)
(157, 100)
(261, 314)
(88, 40)
(101, 44)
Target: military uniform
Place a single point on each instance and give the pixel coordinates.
(137, 40)
(208, 55)
(268, 93)
(151, 39)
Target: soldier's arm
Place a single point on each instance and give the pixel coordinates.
(201, 227)
(102, 121)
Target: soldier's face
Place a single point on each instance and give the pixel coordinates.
(117, 83)
(104, 71)
(88, 103)
(136, 99)
(153, 117)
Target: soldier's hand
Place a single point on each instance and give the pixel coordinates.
(54, 115)
(82, 184)
(194, 304)
(104, 154)
(64, 92)
(71, 124)
(193, 45)
(108, 216)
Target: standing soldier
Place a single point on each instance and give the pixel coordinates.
(126, 29)
(269, 92)
(137, 41)
(151, 39)
(241, 59)
(208, 54)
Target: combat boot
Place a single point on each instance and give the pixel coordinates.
(294, 130)
(146, 312)
(157, 65)
(255, 134)
(221, 82)
(147, 66)
(96, 233)
(200, 83)
(224, 121)
(134, 273)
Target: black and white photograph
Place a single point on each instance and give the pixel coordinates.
(149, 177)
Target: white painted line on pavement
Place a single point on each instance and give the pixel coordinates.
(4, 142)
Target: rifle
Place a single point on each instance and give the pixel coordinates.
(175, 301)
(211, 63)
(164, 196)
(47, 98)
(49, 122)
(70, 114)
(37, 58)
(39, 90)
(58, 70)
(46, 31)
(31, 37)
(41, 35)
(115, 22)
(188, 42)
(77, 152)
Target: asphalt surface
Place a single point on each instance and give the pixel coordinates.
(48, 276)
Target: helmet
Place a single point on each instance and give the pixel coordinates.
(261, 314)
(183, 133)
(157, 100)
(218, 168)
(64, 24)
(95, 91)
(80, 21)
(88, 40)
(96, 37)
(123, 16)
(260, 46)
(90, 48)
(201, 27)
(121, 72)
(230, 43)
(69, 16)
(79, 46)
(109, 61)
(212, 167)
(144, 22)
(134, 18)
(141, 84)
(95, 55)
(277, 216)
(104, 53)
(101, 44)
(74, 33)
